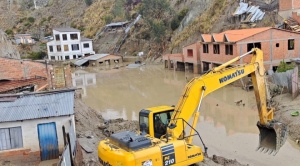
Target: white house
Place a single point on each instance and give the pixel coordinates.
(68, 44)
(31, 125)
(24, 39)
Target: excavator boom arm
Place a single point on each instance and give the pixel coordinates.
(199, 87)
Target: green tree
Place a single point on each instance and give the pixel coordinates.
(31, 19)
(36, 55)
(9, 32)
(283, 67)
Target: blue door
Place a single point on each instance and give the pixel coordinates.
(48, 141)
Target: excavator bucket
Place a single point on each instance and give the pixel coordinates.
(271, 137)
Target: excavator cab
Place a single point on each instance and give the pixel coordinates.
(154, 121)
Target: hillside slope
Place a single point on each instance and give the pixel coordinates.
(162, 29)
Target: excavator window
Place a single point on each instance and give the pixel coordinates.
(144, 124)
(161, 121)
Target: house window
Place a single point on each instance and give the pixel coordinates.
(86, 45)
(52, 57)
(190, 53)
(74, 56)
(253, 45)
(67, 57)
(205, 48)
(74, 36)
(277, 44)
(11, 138)
(228, 49)
(51, 48)
(75, 47)
(57, 38)
(58, 47)
(66, 48)
(291, 44)
(64, 37)
(216, 49)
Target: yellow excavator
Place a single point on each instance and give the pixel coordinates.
(162, 139)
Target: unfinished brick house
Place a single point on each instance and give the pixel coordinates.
(215, 49)
(287, 7)
(276, 44)
(189, 60)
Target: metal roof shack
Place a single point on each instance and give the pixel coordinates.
(94, 60)
(19, 107)
(117, 24)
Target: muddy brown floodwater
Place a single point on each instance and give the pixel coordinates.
(227, 128)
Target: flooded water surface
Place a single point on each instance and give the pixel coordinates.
(228, 116)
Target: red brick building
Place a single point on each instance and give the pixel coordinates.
(18, 74)
(287, 7)
(188, 60)
(25, 75)
(215, 49)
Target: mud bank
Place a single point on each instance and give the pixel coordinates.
(91, 127)
(284, 106)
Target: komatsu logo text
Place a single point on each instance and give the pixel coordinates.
(232, 75)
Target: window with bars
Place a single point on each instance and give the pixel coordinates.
(51, 48)
(11, 138)
(75, 47)
(64, 37)
(228, 49)
(86, 45)
(74, 36)
(205, 48)
(216, 49)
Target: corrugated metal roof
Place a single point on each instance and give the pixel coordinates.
(241, 9)
(66, 29)
(117, 24)
(95, 57)
(37, 105)
(80, 62)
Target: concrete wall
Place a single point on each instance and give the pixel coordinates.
(30, 153)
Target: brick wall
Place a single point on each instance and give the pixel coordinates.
(288, 4)
(17, 69)
(296, 17)
(285, 4)
(191, 53)
(61, 77)
(274, 44)
(20, 157)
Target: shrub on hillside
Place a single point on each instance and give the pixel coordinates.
(283, 67)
